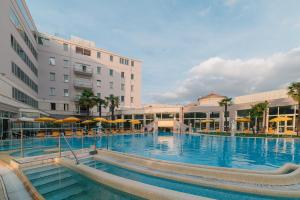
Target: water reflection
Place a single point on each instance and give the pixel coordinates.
(239, 152)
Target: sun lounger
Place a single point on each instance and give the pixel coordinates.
(55, 134)
(68, 133)
(40, 134)
(91, 133)
(79, 133)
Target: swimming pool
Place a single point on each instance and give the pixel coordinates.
(232, 152)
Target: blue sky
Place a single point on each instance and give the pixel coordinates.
(180, 41)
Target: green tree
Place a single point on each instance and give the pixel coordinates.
(113, 103)
(87, 100)
(226, 102)
(101, 103)
(294, 92)
(257, 111)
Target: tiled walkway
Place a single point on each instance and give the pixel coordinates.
(14, 187)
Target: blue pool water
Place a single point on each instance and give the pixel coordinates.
(233, 152)
(55, 182)
(174, 185)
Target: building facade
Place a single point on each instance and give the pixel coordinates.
(70, 66)
(206, 114)
(41, 74)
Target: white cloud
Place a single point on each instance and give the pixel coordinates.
(232, 77)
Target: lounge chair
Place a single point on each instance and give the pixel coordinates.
(41, 134)
(68, 133)
(290, 133)
(79, 133)
(55, 134)
(91, 133)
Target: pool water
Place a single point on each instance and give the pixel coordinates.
(55, 182)
(232, 152)
(174, 185)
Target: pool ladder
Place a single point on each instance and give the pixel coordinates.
(70, 148)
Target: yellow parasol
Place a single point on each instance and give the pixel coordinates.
(110, 121)
(135, 121)
(281, 119)
(245, 119)
(120, 120)
(59, 121)
(71, 120)
(100, 119)
(206, 120)
(88, 122)
(44, 119)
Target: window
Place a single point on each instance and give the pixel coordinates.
(111, 85)
(52, 61)
(122, 86)
(79, 50)
(18, 49)
(122, 74)
(111, 58)
(99, 95)
(53, 106)
(13, 17)
(66, 47)
(122, 98)
(66, 78)
(16, 70)
(52, 76)
(66, 107)
(98, 55)
(24, 98)
(131, 88)
(83, 51)
(131, 99)
(132, 76)
(98, 83)
(132, 63)
(124, 61)
(66, 92)
(98, 70)
(111, 72)
(86, 52)
(66, 63)
(52, 91)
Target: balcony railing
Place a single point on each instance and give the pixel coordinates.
(83, 70)
(80, 83)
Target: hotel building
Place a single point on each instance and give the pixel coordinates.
(205, 114)
(41, 74)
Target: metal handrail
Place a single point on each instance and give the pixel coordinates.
(70, 148)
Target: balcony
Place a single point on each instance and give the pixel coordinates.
(83, 70)
(83, 83)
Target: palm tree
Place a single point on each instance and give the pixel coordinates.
(113, 102)
(294, 92)
(87, 100)
(102, 103)
(225, 103)
(258, 111)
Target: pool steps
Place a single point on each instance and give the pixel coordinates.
(284, 182)
(136, 188)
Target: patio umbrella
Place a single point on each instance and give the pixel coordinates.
(71, 120)
(281, 119)
(44, 120)
(207, 120)
(243, 119)
(100, 119)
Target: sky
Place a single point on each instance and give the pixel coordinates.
(188, 48)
